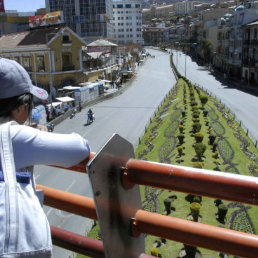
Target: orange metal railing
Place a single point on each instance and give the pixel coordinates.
(196, 181)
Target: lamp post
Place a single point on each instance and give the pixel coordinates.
(185, 64)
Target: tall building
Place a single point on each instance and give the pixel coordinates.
(90, 19)
(127, 21)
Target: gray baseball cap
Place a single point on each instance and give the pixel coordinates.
(15, 81)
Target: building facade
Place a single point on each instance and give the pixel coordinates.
(250, 54)
(52, 56)
(127, 21)
(89, 19)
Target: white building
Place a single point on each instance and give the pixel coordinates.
(184, 7)
(127, 21)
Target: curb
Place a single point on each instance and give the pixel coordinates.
(61, 118)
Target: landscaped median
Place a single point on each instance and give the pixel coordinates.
(193, 129)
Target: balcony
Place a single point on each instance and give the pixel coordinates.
(121, 205)
(68, 68)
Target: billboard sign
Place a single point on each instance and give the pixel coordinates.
(2, 6)
(46, 19)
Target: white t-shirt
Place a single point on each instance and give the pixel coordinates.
(34, 147)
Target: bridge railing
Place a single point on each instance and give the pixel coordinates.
(115, 176)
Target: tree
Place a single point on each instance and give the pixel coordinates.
(206, 49)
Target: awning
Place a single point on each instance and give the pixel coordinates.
(94, 55)
(54, 104)
(71, 88)
(65, 99)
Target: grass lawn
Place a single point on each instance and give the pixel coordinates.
(235, 153)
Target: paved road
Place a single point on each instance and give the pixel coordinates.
(243, 104)
(126, 114)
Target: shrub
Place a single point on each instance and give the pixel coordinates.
(180, 150)
(154, 252)
(199, 149)
(215, 155)
(222, 211)
(193, 103)
(216, 168)
(195, 108)
(217, 202)
(205, 112)
(212, 138)
(181, 128)
(203, 99)
(214, 146)
(197, 199)
(196, 120)
(189, 198)
(196, 115)
(198, 137)
(197, 164)
(181, 138)
(197, 127)
(167, 203)
(190, 250)
(195, 210)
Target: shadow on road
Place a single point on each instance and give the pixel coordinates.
(228, 83)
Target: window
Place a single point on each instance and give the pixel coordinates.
(119, 6)
(17, 59)
(27, 63)
(137, 6)
(128, 6)
(66, 39)
(40, 63)
(67, 60)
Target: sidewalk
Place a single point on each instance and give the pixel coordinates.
(110, 93)
(237, 84)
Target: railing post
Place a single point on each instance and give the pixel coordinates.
(115, 204)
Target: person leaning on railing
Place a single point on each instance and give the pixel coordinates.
(30, 145)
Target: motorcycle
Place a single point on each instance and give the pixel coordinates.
(50, 127)
(91, 118)
(73, 114)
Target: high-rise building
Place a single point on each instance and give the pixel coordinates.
(91, 19)
(127, 21)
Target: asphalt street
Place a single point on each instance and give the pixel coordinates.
(243, 105)
(126, 114)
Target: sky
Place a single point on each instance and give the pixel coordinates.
(24, 5)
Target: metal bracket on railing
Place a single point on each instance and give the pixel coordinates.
(114, 204)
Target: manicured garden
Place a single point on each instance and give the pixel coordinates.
(193, 129)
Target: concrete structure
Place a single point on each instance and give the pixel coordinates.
(153, 35)
(244, 14)
(184, 7)
(51, 55)
(163, 11)
(99, 60)
(127, 21)
(89, 19)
